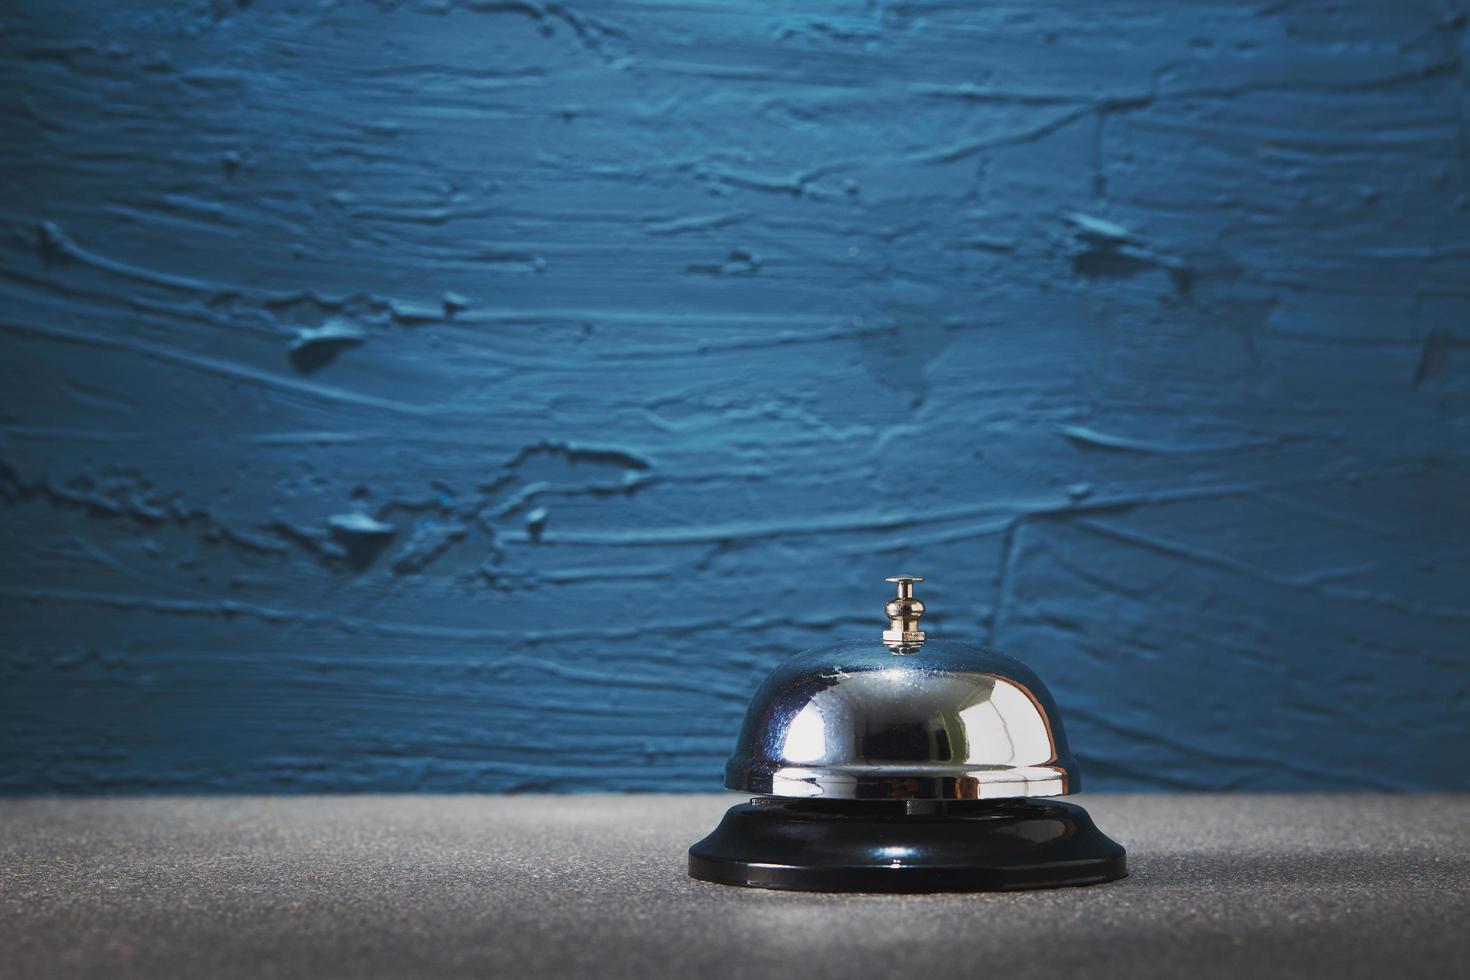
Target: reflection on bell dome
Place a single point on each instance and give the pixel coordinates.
(1007, 728)
(806, 736)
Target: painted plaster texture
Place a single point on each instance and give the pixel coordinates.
(484, 396)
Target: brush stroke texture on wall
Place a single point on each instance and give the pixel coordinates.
(484, 395)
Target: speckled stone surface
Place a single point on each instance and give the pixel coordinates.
(594, 886)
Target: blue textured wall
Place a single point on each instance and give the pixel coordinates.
(484, 395)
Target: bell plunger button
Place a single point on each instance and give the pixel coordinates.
(903, 612)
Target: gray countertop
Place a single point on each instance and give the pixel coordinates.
(594, 886)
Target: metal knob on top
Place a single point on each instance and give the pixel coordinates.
(903, 612)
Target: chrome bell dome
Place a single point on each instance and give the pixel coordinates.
(902, 717)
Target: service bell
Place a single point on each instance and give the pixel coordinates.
(904, 763)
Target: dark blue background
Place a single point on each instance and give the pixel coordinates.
(455, 395)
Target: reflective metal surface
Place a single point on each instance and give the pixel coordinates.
(936, 720)
(903, 611)
(811, 845)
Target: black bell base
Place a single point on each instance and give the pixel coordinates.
(892, 846)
